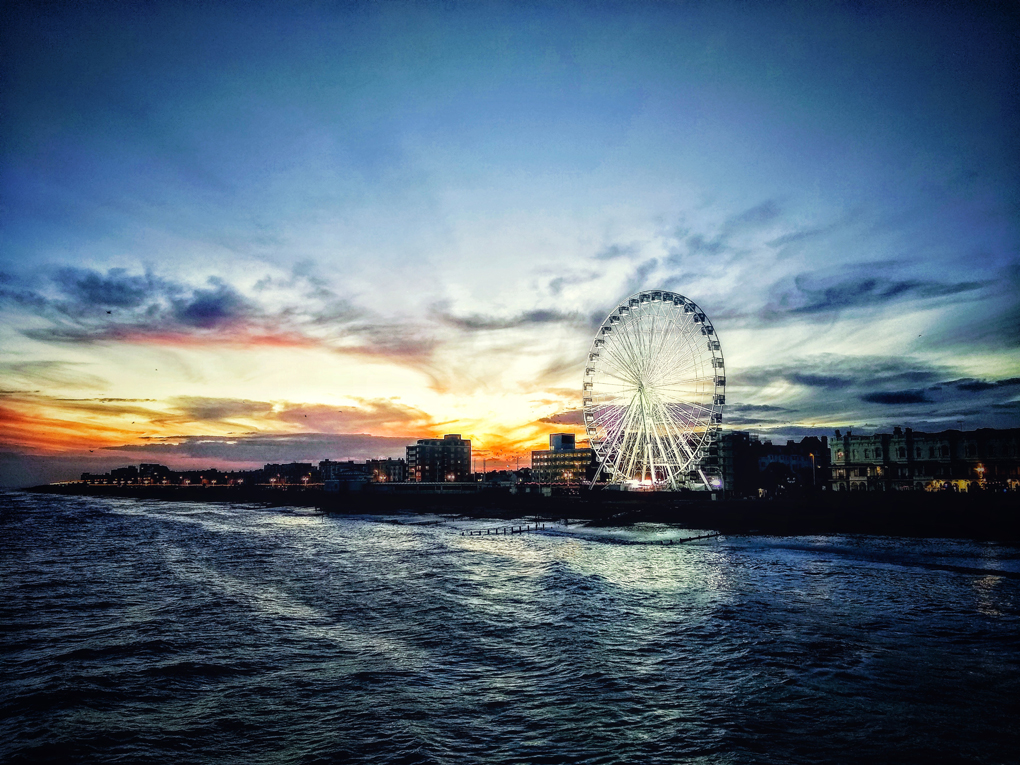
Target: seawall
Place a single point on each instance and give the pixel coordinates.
(979, 515)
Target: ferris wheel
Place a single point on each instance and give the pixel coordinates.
(654, 388)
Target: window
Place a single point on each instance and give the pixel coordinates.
(903, 453)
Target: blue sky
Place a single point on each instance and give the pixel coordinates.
(342, 227)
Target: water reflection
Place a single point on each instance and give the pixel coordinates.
(208, 632)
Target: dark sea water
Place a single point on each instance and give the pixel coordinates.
(187, 633)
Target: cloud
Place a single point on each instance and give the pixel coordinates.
(754, 408)
(211, 307)
(615, 251)
(366, 414)
(258, 449)
(51, 373)
(570, 417)
(974, 386)
(803, 235)
(361, 415)
(897, 397)
(753, 218)
(996, 326)
(638, 280)
(837, 372)
(829, 382)
(479, 322)
(849, 293)
(94, 307)
(560, 369)
(199, 408)
(116, 288)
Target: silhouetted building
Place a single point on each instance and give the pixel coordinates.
(562, 442)
(343, 476)
(127, 474)
(154, 474)
(914, 460)
(291, 473)
(439, 460)
(562, 462)
(389, 470)
(751, 468)
(332, 470)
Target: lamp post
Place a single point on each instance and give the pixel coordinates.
(814, 476)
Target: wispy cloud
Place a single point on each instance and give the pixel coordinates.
(479, 322)
(571, 417)
(255, 450)
(752, 219)
(897, 397)
(87, 307)
(813, 296)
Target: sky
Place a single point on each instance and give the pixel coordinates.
(244, 233)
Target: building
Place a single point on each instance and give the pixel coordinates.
(913, 460)
(291, 473)
(388, 470)
(750, 467)
(563, 462)
(332, 470)
(439, 460)
(343, 476)
(151, 473)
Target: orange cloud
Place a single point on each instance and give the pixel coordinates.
(38, 433)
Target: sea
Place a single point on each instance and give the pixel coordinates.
(158, 632)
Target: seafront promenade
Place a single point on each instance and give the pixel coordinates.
(975, 515)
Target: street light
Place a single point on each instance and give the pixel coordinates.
(814, 477)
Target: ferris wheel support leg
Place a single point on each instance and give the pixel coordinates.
(704, 479)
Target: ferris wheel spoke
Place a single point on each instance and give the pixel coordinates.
(687, 413)
(614, 423)
(679, 376)
(683, 353)
(618, 383)
(646, 323)
(622, 378)
(628, 346)
(622, 360)
(626, 433)
(666, 457)
(608, 425)
(672, 360)
(679, 440)
(682, 379)
(662, 354)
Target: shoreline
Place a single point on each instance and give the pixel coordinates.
(984, 516)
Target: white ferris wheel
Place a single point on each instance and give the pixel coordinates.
(654, 388)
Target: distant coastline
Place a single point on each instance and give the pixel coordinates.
(974, 515)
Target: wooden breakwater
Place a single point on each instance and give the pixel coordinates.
(504, 530)
(663, 542)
